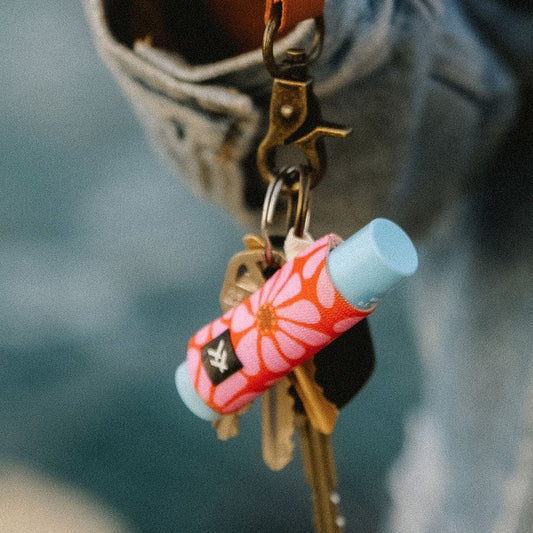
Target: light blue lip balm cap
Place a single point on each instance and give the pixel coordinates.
(190, 396)
(372, 261)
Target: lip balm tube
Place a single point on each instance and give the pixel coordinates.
(304, 306)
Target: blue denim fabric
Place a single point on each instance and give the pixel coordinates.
(431, 98)
(399, 73)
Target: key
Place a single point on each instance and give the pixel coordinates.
(321, 412)
(278, 425)
(245, 273)
(319, 468)
(315, 426)
(278, 405)
(227, 426)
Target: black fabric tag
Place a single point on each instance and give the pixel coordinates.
(219, 358)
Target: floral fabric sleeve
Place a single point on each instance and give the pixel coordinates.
(295, 314)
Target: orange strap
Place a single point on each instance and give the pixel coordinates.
(243, 20)
(294, 11)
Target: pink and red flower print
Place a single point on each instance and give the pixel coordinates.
(295, 314)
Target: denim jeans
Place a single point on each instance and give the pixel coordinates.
(429, 102)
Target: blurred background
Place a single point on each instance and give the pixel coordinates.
(107, 266)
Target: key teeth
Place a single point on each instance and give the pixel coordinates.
(321, 412)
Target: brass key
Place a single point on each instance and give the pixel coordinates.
(321, 412)
(315, 425)
(319, 468)
(246, 272)
(278, 425)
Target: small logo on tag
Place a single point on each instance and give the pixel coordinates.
(219, 358)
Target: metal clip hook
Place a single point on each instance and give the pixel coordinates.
(285, 70)
(295, 119)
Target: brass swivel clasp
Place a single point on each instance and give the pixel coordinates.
(295, 117)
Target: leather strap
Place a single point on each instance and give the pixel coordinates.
(294, 11)
(243, 19)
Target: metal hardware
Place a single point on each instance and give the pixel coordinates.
(295, 116)
(295, 119)
(301, 219)
(297, 181)
(246, 272)
(284, 177)
(319, 468)
(283, 70)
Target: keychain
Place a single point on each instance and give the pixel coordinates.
(282, 305)
(303, 307)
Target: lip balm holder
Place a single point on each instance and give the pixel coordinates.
(282, 307)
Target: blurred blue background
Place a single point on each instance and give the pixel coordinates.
(107, 266)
